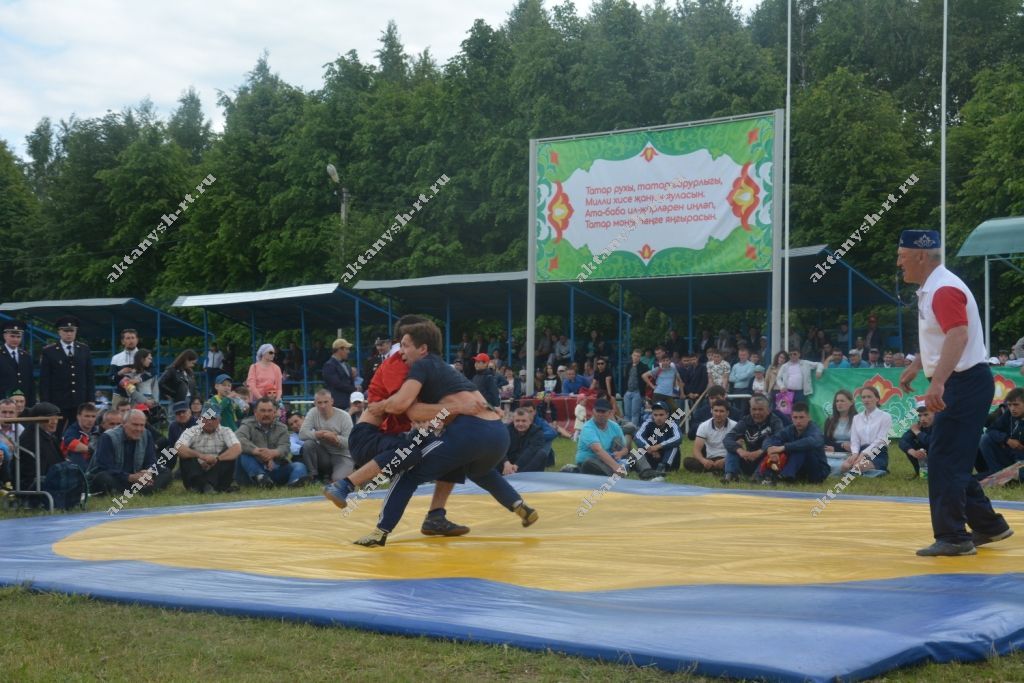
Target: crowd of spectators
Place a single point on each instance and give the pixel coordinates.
(753, 420)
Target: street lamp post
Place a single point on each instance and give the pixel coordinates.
(342, 193)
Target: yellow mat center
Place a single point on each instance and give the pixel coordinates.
(625, 541)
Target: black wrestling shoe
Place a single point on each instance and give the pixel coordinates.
(264, 482)
(526, 513)
(442, 526)
(946, 549)
(377, 537)
(730, 478)
(982, 539)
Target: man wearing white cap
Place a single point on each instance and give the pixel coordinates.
(357, 402)
(960, 393)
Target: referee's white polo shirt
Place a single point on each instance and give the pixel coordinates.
(945, 302)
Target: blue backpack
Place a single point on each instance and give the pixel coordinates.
(67, 484)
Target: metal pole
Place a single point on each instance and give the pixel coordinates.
(508, 330)
(942, 144)
(305, 360)
(988, 292)
(531, 272)
(689, 313)
(899, 314)
(789, 102)
(448, 332)
(849, 310)
(359, 338)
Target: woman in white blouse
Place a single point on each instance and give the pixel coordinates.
(869, 435)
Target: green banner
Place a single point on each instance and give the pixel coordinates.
(687, 200)
(893, 400)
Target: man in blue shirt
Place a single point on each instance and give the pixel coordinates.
(804, 447)
(573, 382)
(602, 443)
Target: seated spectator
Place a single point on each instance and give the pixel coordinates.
(512, 389)
(662, 438)
(325, 433)
(485, 381)
(836, 360)
(294, 422)
(527, 448)
(664, 382)
(915, 441)
(602, 443)
(839, 423)
(357, 404)
(1002, 444)
(264, 460)
(573, 383)
(232, 407)
(870, 431)
(79, 440)
(49, 445)
(178, 382)
(856, 361)
(550, 433)
(901, 361)
(139, 385)
(744, 444)
(709, 452)
(797, 452)
(208, 453)
(182, 420)
(10, 432)
(874, 358)
(18, 396)
(109, 419)
(702, 413)
(125, 456)
(564, 351)
(196, 406)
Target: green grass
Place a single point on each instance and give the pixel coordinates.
(56, 637)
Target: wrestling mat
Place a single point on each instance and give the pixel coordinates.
(731, 583)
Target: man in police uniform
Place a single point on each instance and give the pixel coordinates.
(16, 364)
(66, 377)
(953, 357)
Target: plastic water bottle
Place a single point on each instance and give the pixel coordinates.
(924, 469)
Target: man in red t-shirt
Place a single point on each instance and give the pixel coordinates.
(373, 443)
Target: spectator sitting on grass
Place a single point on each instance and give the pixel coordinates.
(1002, 444)
(797, 452)
(870, 431)
(602, 443)
(294, 422)
(527, 449)
(662, 451)
(702, 413)
(123, 458)
(49, 446)
(79, 440)
(709, 452)
(325, 433)
(744, 444)
(915, 441)
(207, 453)
(356, 405)
(264, 459)
(840, 422)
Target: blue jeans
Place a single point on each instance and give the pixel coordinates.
(956, 497)
(251, 467)
(469, 442)
(634, 403)
(734, 464)
(997, 455)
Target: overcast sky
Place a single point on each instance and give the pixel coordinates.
(63, 57)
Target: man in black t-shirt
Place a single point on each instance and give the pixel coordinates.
(477, 443)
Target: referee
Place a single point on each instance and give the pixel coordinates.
(953, 358)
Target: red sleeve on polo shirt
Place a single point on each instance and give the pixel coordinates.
(386, 382)
(950, 307)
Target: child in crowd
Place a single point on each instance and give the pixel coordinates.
(757, 385)
(232, 407)
(581, 415)
(916, 440)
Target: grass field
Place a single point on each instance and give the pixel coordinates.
(55, 637)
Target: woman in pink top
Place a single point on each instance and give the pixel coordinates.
(264, 375)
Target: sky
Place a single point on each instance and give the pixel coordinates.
(64, 57)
